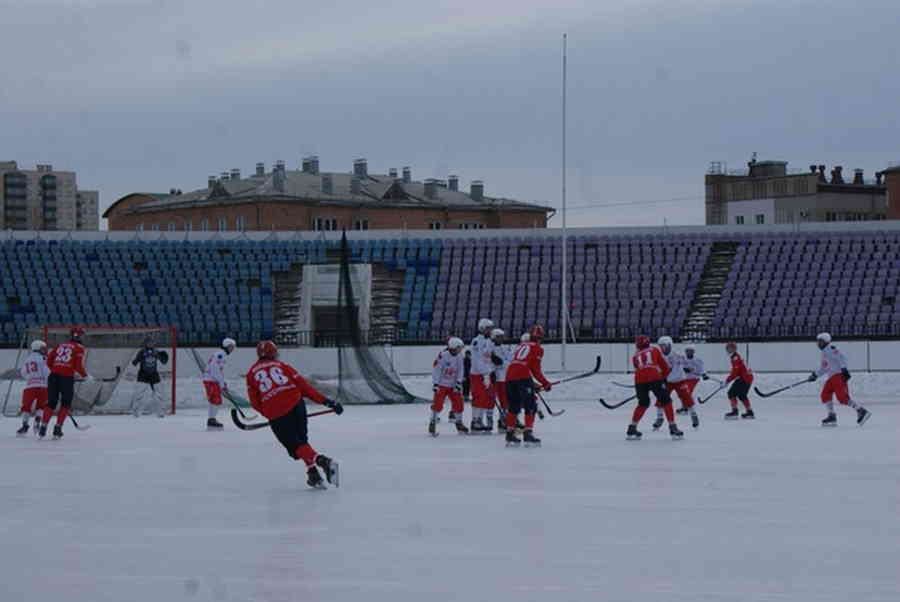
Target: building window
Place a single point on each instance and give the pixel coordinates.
(239, 223)
(361, 224)
(223, 224)
(759, 190)
(471, 226)
(171, 226)
(155, 227)
(328, 224)
(435, 225)
(139, 228)
(204, 224)
(188, 225)
(739, 220)
(831, 216)
(760, 218)
(800, 186)
(780, 186)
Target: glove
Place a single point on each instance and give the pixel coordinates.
(496, 360)
(704, 376)
(547, 386)
(812, 376)
(846, 374)
(457, 388)
(688, 370)
(334, 405)
(434, 388)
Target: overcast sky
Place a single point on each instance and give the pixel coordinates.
(141, 95)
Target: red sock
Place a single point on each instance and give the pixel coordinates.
(529, 421)
(746, 403)
(638, 414)
(306, 453)
(670, 414)
(733, 403)
(457, 406)
(61, 416)
(48, 412)
(510, 420)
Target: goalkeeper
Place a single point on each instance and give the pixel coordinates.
(147, 360)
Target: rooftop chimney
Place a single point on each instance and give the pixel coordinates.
(260, 170)
(431, 188)
(279, 166)
(858, 177)
(224, 175)
(211, 182)
(836, 176)
(812, 169)
(360, 168)
(327, 184)
(355, 186)
(477, 190)
(392, 173)
(173, 191)
(278, 176)
(407, 175)
(235, 174)
(822, 177)
(878, 176)
(311, 165)
(453, 182)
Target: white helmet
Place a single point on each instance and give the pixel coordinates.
(228, 342)
(38, 345)
(824, 337)
(525, 337)
(690, 347)
(455, 343)
(664, 341)
(484, 324)
(497, 333)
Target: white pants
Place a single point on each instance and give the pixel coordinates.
(139, 399)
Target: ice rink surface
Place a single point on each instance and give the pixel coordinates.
(159, 509)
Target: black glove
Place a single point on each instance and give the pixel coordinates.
(846, 374)
(812, 376)
(688, 370)
(705, 376)
(334, 405)
(497, 361)
(457, 387)
(434, 388)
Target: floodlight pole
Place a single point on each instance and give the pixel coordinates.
(565, 266)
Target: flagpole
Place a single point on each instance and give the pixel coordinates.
(565, 267)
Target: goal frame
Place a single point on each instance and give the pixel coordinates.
(173, 334)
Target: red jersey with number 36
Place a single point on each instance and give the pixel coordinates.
(275, 388)
(67, 359)
(649, 365)
(526, 362)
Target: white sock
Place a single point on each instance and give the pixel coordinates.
(830, 406)
(659, 413)
(213, 410)
(855, 405)
(490, 417)
(435, 416)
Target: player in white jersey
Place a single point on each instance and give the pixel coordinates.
(694, 370)
(214, 381)
(447, 379)
(677, 381)
(834, 366)
(34, 397)
(483, 363)
(504, 354)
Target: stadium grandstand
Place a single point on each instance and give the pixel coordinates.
(694, 283)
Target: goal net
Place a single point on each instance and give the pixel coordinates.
(110, 351)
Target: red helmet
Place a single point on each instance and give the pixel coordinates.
(642, 341)
(76, 333)
(267, 350)
(536, 332)
(730, 347)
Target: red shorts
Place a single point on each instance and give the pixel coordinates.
(456, 400)
(683, 388)
(213, 393)
(482, 396)
(691, 383)
(33, 395)
(836, 386)
(500, 394)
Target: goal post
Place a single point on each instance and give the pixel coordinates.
(109, 353)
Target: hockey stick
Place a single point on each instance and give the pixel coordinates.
(613, 406)
(259, 425)
(776, 391)
(102, 380)
(237, 401)
(549, 411)
(623, 385)
(78, 426)
(582, 375)
(707, 398)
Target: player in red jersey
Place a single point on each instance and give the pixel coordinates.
(65, 361)
(276, 391)
(650, 372)
(34, 371)
(524, 365)
(741, 378)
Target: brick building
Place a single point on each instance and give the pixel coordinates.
(307, 199)
(45, 199)
(892, 183)
(767, 193)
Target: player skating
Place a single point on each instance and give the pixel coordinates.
(65, 361)
(276, 390)
(480, 379)
(524, 368)
(694, 370)
(677, 381)
(740, 378)
(504, 354)
(214, 382)
(834, 366)
(650, 371)
(147, 360)
(34, 396)
(446, 379)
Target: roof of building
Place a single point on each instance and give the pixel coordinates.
(894, 169)
(300, 186)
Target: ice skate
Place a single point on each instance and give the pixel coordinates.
(681, 411)
(42, 432)
(451, 417)
(695, 420)
(57, 432)
(461, 428)
(23, 430)
(501, 426)
(432, 428)
(830, 420)
(214, 425)
(530, 440)
(314, 479)
(512, 440)
(632, 434)
(331, 468)
(748, 415)
(675, 432)
(732, 415)
(657, 424)
(862, 414)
